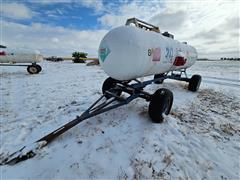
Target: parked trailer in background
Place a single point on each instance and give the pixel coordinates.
(23, 57)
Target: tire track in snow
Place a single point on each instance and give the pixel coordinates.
(222, 83)
(224, 79)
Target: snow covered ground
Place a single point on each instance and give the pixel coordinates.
(198, 140)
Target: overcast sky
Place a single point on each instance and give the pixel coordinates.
(59, 27)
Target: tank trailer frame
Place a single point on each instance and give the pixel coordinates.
(160, 104)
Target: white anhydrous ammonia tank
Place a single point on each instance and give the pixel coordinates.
(128, 52)
(19, 56)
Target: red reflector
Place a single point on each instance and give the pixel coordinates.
(2, 53)
(179, 61)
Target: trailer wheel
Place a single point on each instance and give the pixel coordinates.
(33, 69)
(161, 102)
(194, 83)
(108, 84)
(39, 68)
(156, 76)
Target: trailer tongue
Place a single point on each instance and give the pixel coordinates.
(109, 100)
(27, 151)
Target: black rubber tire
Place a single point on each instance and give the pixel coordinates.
(108, 84)
(194, 83)
(161, 102)
(32, 69)
(158, 76)
(39, 68)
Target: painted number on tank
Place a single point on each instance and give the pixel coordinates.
(169, 53)
(149, 52)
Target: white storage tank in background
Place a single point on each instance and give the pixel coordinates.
(19, 56)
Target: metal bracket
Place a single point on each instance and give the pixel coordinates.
(142, 24)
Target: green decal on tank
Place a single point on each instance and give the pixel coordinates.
(103, 53)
